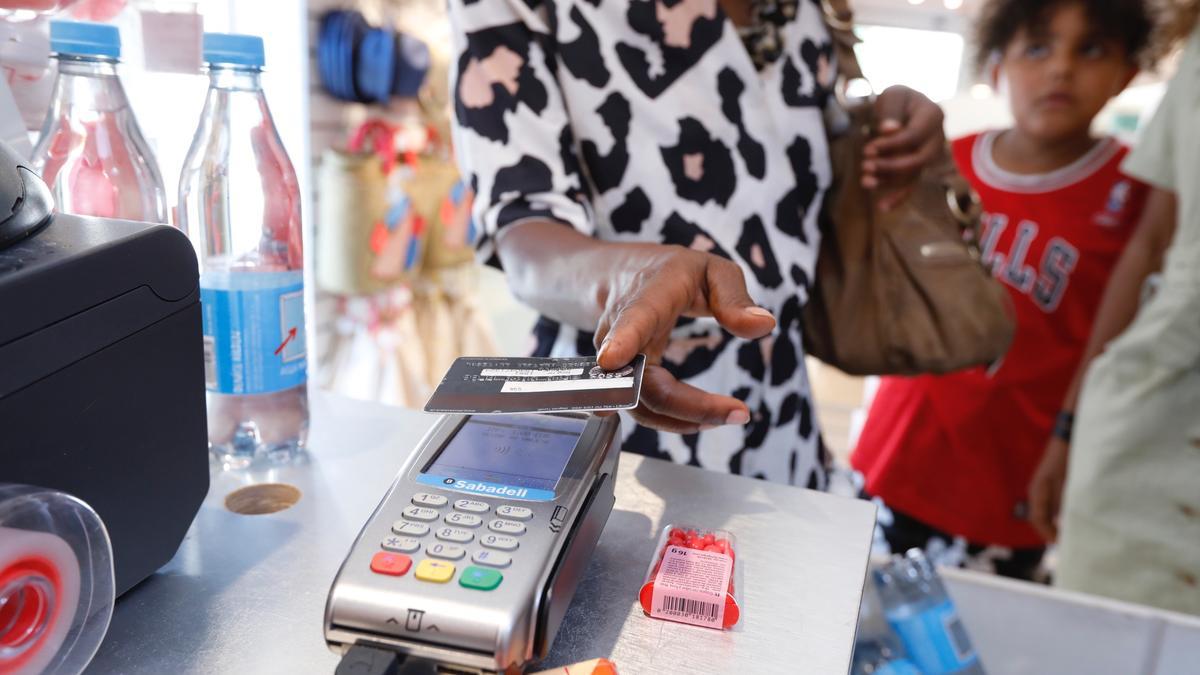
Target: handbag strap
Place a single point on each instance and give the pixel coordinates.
(839, 21)
(960, 197)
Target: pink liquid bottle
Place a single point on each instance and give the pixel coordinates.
(91, 152)
(239, 202)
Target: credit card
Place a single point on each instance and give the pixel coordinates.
(488, 385)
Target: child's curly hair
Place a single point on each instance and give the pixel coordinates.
(1128, 21)
(1177, 21)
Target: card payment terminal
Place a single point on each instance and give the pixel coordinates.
(472, 557)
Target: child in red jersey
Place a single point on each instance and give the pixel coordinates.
(952, 456)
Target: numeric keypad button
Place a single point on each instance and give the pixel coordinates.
(445, 551)
(453, 534)
(499, 541)
(421, 513)
(507, 527)
(471, 506)
(514, 512)
(398, 544)
(427, 499)
(464, 520)
(410, 529)
(492, 558)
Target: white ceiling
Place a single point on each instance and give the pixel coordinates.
(930, 14)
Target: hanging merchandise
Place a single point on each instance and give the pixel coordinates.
(360, 63)
(353, 198)
(376, 65)
(443, 201)
(394, 241)
(91, 151)
(172, 41)
(370, 237)
(339, 36)
(472, 326)
(240, 204)
(25, 85)
(435, 324)
(393, 346)
(97, 10)
(412, 65)
(376, 353)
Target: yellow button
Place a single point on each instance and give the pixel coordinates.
(438, 571)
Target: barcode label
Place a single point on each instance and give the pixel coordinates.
(691, 586)
(210, 362)
(958, 637)
(686, 607)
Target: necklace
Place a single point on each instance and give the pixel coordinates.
(763, 38)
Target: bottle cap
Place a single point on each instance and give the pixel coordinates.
(233, 49)
(80, 38)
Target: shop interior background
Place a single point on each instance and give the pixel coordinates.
(925, 44)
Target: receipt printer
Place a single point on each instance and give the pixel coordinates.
(102, 375)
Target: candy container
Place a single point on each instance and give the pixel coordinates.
(694, 578)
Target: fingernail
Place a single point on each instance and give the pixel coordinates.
(868, 167)
(760, 311)
(603, 347)
(889, 125)
(739, 417)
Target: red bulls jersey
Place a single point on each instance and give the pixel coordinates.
(958, 451)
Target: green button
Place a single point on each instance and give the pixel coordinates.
(480, 579)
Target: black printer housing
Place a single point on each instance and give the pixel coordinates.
(102, 379)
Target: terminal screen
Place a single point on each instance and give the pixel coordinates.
(518, 451)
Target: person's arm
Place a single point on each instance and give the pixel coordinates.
(1143, 256)
(631, 295)
(510, 123)
(510, 137)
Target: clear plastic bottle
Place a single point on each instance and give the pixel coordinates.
(920, 611)
(240, 204)
(91, 152)
(877, 650)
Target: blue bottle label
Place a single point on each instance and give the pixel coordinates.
(253, 331)
(934, 637)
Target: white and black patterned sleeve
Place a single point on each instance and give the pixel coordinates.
(512, 134)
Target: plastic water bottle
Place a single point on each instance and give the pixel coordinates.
(240, 204)
(879, 657)
(91, 152)
(922, 614)
(877, 650)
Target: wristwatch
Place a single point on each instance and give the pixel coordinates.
(1064, 424)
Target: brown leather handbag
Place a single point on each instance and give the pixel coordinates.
(903, 292)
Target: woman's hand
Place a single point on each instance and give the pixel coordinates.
(631, 295)
(1046, 489)
(909, 137)
(640, 302)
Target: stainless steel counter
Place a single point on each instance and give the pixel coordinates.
(245, 594)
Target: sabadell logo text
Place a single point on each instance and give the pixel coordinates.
(484, 488)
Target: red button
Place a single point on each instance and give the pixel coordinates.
(395, 564)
